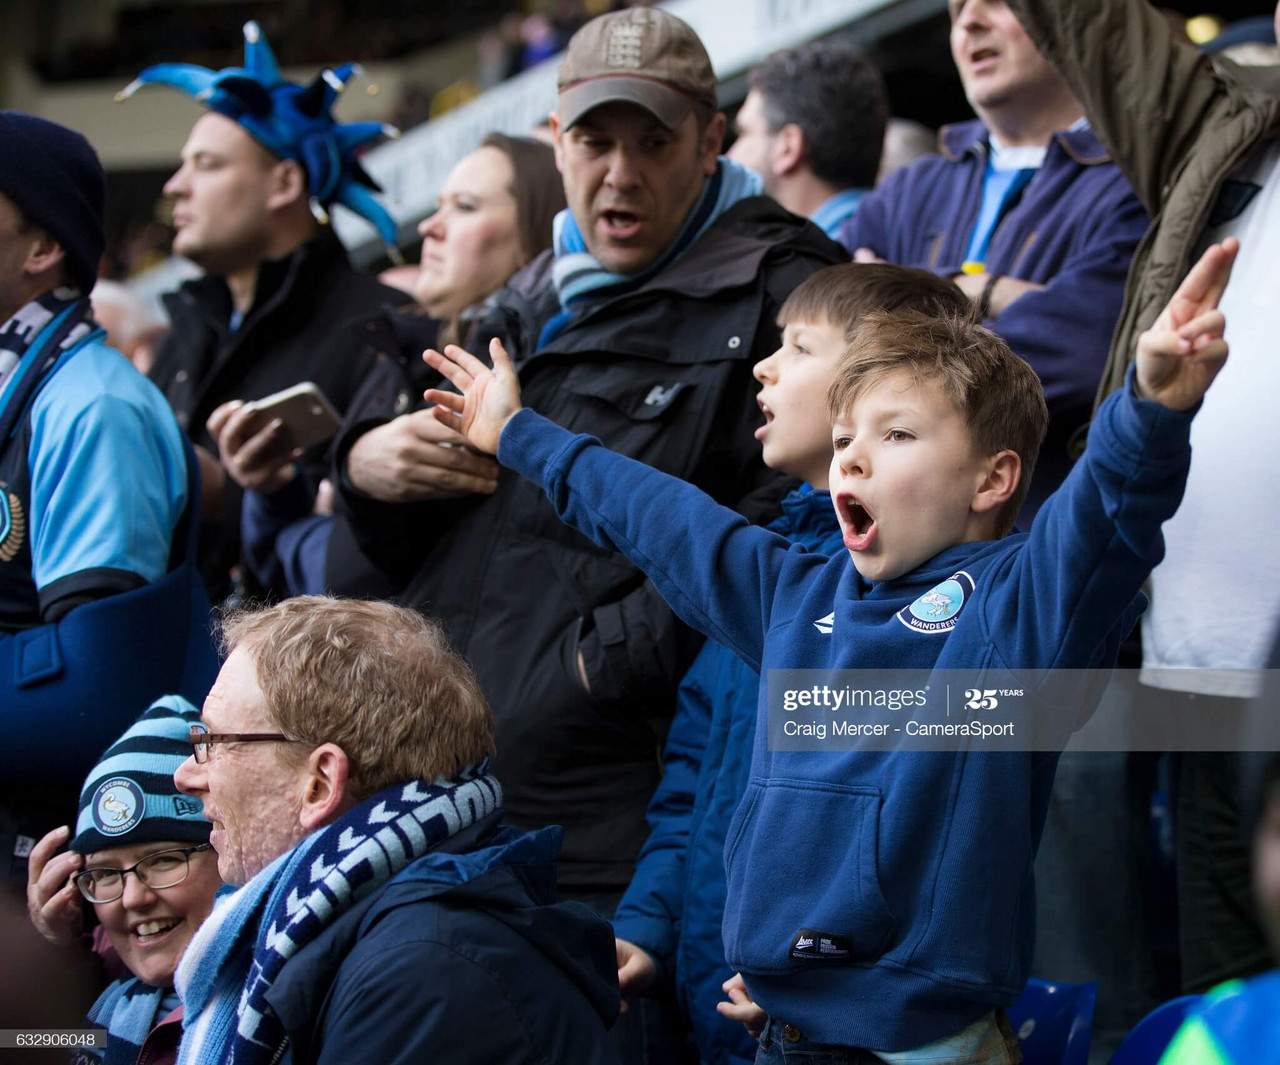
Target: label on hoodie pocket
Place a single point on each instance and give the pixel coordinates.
(811, 944)
(801, 864)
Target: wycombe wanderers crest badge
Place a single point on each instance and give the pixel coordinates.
(13, 524)
(938, 609)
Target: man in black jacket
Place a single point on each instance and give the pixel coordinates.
(278, 292)
(642, 328)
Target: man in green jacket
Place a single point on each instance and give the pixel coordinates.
(1199, 140)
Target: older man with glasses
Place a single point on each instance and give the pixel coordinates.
(382, 913)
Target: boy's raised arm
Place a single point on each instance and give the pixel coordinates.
(1098, 537)
(716, 571)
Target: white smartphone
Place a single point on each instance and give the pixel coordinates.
(308, 416)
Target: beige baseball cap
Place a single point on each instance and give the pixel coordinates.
(641, 55)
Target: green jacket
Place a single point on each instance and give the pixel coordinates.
(1176, 121)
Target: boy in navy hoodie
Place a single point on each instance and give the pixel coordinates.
(668, 922)
(917, 864)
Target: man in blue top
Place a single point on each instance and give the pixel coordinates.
(935, 427)
(1025, 210)
(812, 127)
(93, 477)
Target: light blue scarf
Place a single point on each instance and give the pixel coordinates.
(129, 1009)
(580, 278)
(235, 957)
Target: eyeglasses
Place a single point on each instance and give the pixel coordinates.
(202, 739)
(164, 869)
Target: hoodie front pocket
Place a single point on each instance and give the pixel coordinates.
(803, 887)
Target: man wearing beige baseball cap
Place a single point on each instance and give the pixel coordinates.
(640, 327)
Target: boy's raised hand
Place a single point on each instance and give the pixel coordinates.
(486, 398)
(1182, 352)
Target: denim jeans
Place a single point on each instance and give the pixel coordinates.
(785, 1044)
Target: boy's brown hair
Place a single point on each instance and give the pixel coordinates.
(999, 394)
(842, 295)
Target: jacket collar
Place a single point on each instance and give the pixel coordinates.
(964, 138)
(277, 280)
(1259, 85)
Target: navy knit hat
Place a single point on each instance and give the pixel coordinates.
(53, 176)
(130, 796)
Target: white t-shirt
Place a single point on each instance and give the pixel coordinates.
(1215, 600)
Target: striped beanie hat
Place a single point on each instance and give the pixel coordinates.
(130, 796)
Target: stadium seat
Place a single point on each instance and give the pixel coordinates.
(1054, 1022)
(1152, 1034)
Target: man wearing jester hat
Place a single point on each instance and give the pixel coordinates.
(279, 302)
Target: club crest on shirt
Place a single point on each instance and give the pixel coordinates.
(13, 524)
(118, 806)
(939, 607)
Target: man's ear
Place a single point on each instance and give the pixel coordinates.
(43, 252)
(712, 141)
(1003, 474)
(327, 788)
(789, 150)
(288, 185)
(557, 137)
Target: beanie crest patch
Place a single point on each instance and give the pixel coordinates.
(118, 806)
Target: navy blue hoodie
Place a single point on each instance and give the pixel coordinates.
(923, 860)
(674, 907)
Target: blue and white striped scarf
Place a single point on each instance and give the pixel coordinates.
(29, 321)
(128, 1009)
(235, 957)
(580, 279)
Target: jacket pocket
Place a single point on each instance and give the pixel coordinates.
(651, 412)
(801, 857)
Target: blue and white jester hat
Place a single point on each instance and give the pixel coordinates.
(291, 120)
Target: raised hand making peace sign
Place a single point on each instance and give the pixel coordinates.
(1182, 352)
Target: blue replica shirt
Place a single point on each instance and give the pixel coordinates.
(922, 861)
(1000, 189)
(108, 480)
(835, 212)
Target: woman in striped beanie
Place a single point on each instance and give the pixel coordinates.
(141, 856)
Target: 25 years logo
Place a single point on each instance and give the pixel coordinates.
(987, 698)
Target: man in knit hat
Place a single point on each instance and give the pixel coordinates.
(93, 484)
(141, 857)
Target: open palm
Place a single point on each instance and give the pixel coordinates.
(1182, 352)
(486, 399)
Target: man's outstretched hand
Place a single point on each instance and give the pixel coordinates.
(1182, 352)
(486, 398)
